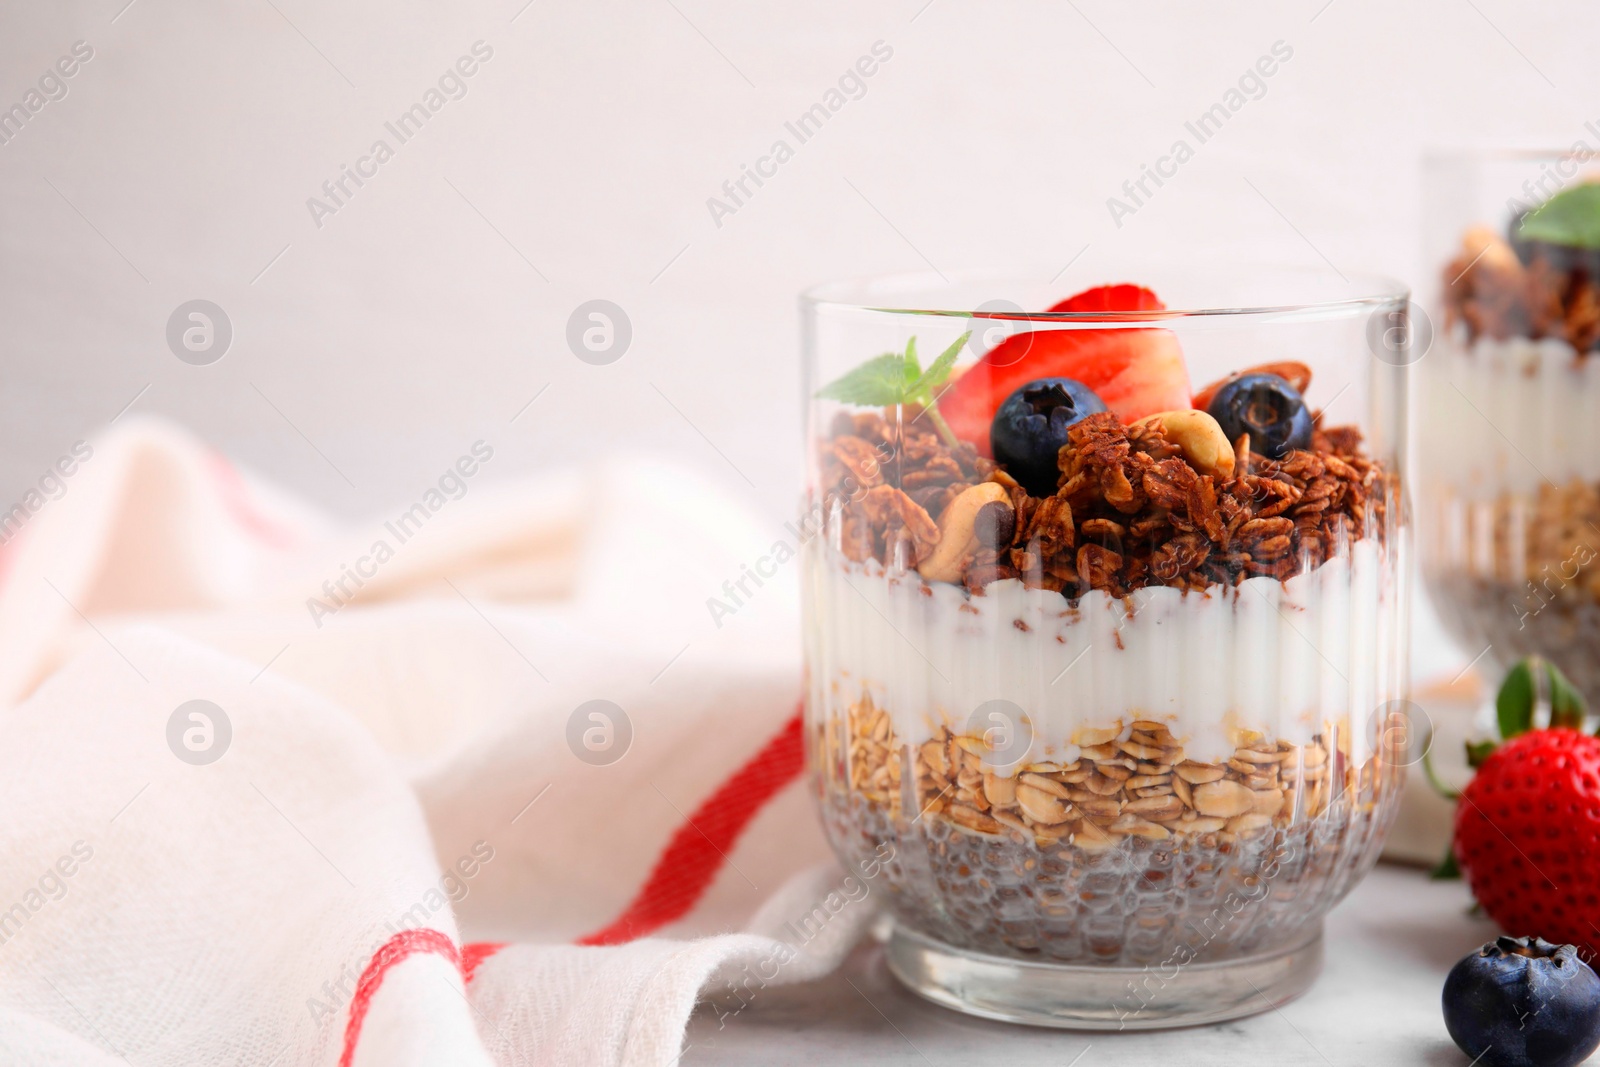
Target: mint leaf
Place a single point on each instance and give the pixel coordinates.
(877, 382)
(893, 378)
(1513, 705)
(938, 371)
(1571, 217)
(913, 369)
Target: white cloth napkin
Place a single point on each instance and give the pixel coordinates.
(398, 856)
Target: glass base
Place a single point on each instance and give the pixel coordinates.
(1075, 997)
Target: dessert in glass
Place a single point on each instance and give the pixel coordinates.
(1103, 672)
(1508, 443)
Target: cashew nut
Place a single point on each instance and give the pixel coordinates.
(1484, 246)
(957, 540)
(1197, 435)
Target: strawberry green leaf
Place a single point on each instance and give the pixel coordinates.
(879, 381)
(1513, 705)
(1448, 869)
(1434, 780)
(1571, 217)
(1477, 753)
(939, 370)
(1567, 706)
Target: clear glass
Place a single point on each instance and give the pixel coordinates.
(1508, 444)
(1104, 785)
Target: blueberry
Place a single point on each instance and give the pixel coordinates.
(1269, 409)
(1563, 259)
(1031, 426)
(1521, 245)
(1583, 263)
(1523, 1002)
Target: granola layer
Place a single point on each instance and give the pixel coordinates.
(1492, 292)
(1129, 512)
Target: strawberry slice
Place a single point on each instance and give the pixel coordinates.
(1124, 297)
(1137, 372)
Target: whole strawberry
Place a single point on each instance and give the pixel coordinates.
(1527, 832)
(1528, 836)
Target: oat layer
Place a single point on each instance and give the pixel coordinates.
(1521, 575)
(1115, 857)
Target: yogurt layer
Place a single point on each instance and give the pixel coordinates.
(1285, 659)
(1504, 416)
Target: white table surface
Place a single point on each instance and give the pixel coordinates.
(1388, 948)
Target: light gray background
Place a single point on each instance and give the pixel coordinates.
(433, 306)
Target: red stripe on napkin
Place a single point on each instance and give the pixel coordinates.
(679, 879)
(401, 946)
(236, 498)
(699, 848)
(474, 954)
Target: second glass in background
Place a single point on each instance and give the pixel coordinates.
(1507, 431)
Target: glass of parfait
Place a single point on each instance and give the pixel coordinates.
(1103, 671)
(1508, 447)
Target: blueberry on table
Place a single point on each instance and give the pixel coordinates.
(1523, 1002)
(1266, 407)
(1031, 426)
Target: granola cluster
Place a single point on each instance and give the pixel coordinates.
(893, 475)
(1491, 290)
(1130, 510)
